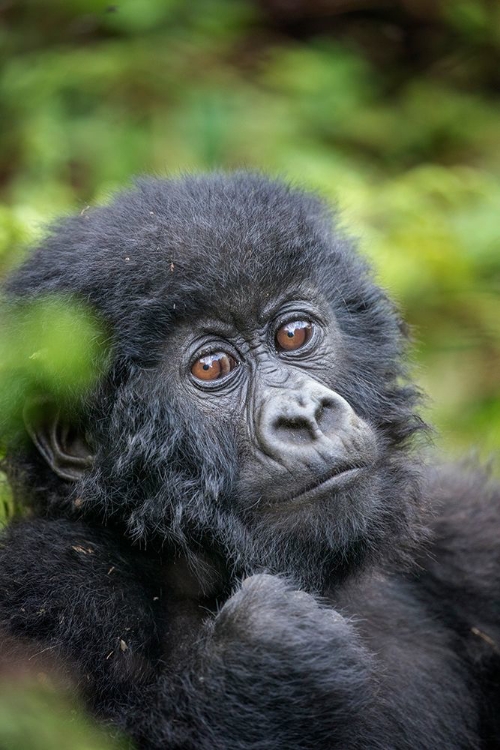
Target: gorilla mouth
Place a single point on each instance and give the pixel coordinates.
(341, 476)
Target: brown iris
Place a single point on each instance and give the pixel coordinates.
(293, 335)
(213, 366)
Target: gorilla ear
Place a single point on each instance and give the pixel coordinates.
(64, 448)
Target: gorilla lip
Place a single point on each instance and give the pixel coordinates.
(338, 477)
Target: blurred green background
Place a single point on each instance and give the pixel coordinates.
(389, 108)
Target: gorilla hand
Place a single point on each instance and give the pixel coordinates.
(284, 657)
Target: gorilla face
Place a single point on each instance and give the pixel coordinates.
(307, 473)
(244, 444)
(270, 378)
(257, 407)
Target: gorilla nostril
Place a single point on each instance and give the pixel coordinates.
(318, 414)
(297, 430)
(328, 414)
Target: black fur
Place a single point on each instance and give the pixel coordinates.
(190, 619)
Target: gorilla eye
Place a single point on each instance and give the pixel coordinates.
(293, 335)
(213, 366)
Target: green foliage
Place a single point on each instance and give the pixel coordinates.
(50, 346)
(37, 717)
(93, 93)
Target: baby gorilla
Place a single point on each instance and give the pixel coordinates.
(229, 542)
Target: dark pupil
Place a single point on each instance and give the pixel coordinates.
(206, 367)
(290, 334)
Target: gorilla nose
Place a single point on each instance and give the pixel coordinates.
(311, 418)
(302, 419)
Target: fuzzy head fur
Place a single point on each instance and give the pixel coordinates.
(165, 253)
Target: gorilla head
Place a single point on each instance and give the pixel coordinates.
(255, 408)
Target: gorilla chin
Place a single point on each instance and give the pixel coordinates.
(324, 535)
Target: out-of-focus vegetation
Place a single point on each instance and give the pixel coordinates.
(38, 705)
(37, 718)
(50, 346)
(392, 110)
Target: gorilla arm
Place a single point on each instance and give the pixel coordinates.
(76, 592)
(87, 601)
(276, 669)
(273, 669)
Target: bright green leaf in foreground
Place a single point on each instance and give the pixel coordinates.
(50, 346)
(38, 718)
